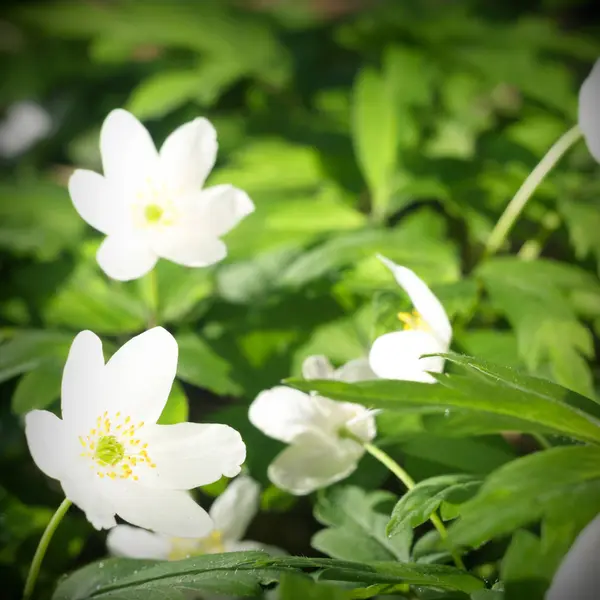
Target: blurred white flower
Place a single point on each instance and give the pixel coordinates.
(150, 204)
(26, 123)
(427, 330)
(107, 451)
(324, 436)
(578, 576)
(319, 367)
(231, 513)
(589, 111)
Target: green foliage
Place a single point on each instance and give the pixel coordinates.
(356, 527)
(400, 128)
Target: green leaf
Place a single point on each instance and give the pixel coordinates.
(37, 219)
(583, 221)
(375, 133)
(373, 573)
(534, 296)
(356, 528)
(176, 408)
(411, 245)
(232, 573)
(88, 300)
(28, 349)
(418, 504)
(38, 388)
(163, 92)
(202, 367)
(526, 570)
(181, 290)
(462, 392)
(297, 587)
(524, 490)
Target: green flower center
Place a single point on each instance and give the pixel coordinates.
(109, 450)
(153, 213)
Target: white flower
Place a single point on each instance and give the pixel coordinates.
(324, 436)
(578, 576)
(319, 367)
(107, 451)
(26, 123)
(231, 513)
(150, 204)
(589, 111)
(427, 330)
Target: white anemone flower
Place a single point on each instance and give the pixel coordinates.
(109, 454)
(578, 576)
(319, 367)
(589, 111)
(427, 330)
(231, 513)
(150, 203)
(325, 437)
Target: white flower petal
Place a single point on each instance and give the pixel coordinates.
(140, 374)
(578, 576)
(128, 152)
(125, 257)
(188, 455)
(317, 367)
(222, 207)
(133, 542)
(96, 202)
(283, 413)
(358, 369)
(235, 508)
(188, 155)
(397, 356)
(589, 110)
(423, 299)
(45, 434)
(187, 246)
(362, 425)
(169, 512)
(82, 390)
(89, 495)
(313, 462)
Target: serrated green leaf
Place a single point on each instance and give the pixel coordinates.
(419, 503)
(534, 296)
(356, 528)
(462, 392)
(201, 366)
(520, 492)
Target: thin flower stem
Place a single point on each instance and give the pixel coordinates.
(38, 557)
(517, 204)
(153, 320)
(409, 483)
(542, 441)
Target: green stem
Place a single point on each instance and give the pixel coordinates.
(38, 557)
(542, 441)
(517, 204)
(154, 301)
(409, 483)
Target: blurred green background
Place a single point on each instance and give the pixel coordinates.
(358, 126)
